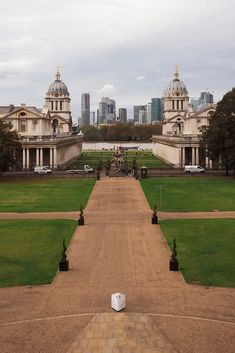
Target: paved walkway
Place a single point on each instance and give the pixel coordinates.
(118, 250)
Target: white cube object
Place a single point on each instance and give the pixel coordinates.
(118, 301)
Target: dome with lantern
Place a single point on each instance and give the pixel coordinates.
(58, 88)
(176, 87)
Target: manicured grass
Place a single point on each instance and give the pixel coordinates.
(143, 158)
(205, 248)
(42, 195)
(30, 250)
(191, 193)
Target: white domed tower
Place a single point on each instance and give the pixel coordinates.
(176, 104)
(58, 102)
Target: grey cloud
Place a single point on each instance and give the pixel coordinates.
(113, 42)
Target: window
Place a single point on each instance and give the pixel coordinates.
(55, 125)
(61, 105)
(22, 114)
(52, 105)
(23, 125)
(56, 105)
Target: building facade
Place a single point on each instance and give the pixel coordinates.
(157, 109)
(92, 118)
(45, 134)
(122, 114)
(149, 113)
(204, 99)
(182, 127)
(107, 111)
(136, 109)
(85, 109)
(143, 116)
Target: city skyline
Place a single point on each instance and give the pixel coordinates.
(131, 63)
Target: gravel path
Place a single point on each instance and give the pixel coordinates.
(117, 250)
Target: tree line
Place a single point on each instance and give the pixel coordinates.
(121, 132)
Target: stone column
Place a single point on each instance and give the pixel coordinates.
(193, 155)
(197, 155)
(41, 157)
(183, 156)
(24, 166)
(27, 158)
(55, 158)
(37, 157)
(51, 157)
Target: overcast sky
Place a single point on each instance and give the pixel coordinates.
(124, 49)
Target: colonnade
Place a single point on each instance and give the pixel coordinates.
(194, 157)
(40, 160)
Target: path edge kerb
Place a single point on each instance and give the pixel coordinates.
(69, 316)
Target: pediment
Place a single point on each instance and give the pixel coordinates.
(24, 112)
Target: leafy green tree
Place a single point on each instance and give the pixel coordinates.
(10, 146)
(121, 132)
(91, 133)
(219, 137)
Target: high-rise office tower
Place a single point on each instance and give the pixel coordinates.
(92, 118)
(149, 113)
(206, 97)
(107, 111)
(157, 109)
(195, 102)
(123, 115)
(137, 108)
(143, 116)
(85, 109)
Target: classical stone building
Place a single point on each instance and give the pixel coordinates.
(179, 143)
(45, 133)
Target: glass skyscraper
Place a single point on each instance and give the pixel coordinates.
(85, 109)
(157, 109)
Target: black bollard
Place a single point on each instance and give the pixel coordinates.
(174, 264)
(81, 221)
(64, 262)
(154, 218)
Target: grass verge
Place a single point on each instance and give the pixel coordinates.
(205, 249)
(142, 158)
(45, 195)
(201, 193)
(30, 250)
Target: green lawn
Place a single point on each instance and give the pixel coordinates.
(205, 193)
(30, 250)
(42, 195)
(205, 248)
(143, 158)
